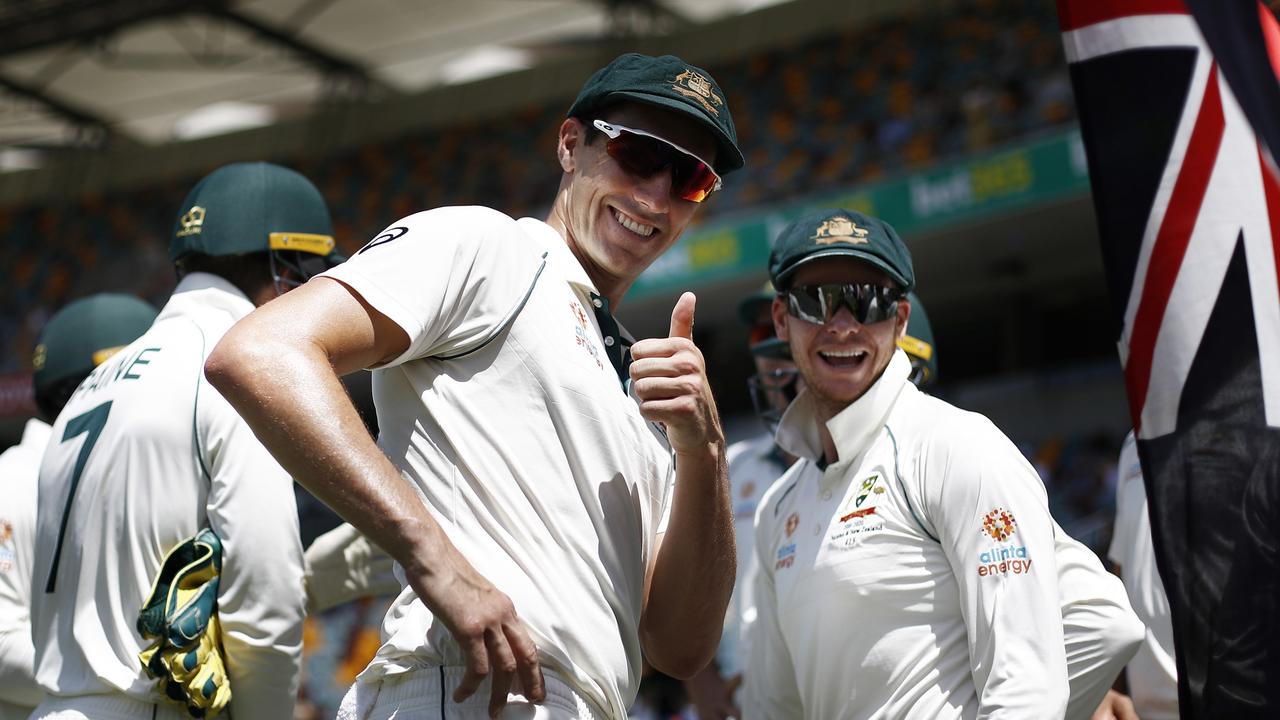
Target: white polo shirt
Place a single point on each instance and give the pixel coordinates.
(508, 417)
(19, 469)
(143, 456)
(1153, 672)
(754, 465)
(912, 578)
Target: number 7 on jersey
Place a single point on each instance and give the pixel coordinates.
(90, 424)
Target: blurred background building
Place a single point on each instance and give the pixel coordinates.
(951, 119)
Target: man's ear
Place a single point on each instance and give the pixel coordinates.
(571, 136)
(779, 311)
(904, 314)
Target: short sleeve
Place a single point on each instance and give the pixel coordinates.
(452, 278)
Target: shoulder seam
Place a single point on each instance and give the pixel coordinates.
(902, 487)
(506, 321)
(195, 410)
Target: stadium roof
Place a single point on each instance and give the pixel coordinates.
(87, 74)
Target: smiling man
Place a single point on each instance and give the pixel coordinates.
(556, 495)
(907, 562)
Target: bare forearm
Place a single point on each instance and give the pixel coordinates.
(292, 398)
(694, 570)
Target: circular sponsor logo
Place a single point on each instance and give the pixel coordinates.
(999, 524)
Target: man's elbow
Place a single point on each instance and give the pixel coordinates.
(233, 360)
(1123, 633)
(680, 660)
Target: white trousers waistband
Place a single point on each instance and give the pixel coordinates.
(428, 693)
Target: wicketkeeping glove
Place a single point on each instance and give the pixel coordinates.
(180, 615)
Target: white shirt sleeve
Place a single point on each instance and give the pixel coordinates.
(1100, 629)
(261, 598)
(769, 689)
(452, 278)
(992, 518)
(1131, 497)
(342, 565)
(19, 468)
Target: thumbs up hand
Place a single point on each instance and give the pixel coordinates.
(669, 377)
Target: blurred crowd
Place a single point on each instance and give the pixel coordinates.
(837, 110)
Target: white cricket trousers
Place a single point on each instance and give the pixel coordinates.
(427, 694)
(105, 707)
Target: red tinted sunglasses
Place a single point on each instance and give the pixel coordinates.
(644, 154)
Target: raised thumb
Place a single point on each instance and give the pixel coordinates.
(682, 316)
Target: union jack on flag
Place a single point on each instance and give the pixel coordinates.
(1179, 108)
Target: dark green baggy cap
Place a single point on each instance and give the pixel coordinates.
(253, 207)
(666, 82)
(840, 233)
(918, 341)
(86, 332)
(751, 306)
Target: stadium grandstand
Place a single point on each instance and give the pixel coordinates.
(951, 119)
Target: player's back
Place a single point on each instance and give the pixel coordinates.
(120, 484)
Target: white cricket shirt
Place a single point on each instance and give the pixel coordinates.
(508, 417)
(144, 455)
(912, 578)
(19, 468)
(754, 465)
(1101, 631)
(1153, 672)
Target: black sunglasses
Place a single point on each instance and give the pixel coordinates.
(868, 302)
(644, 154)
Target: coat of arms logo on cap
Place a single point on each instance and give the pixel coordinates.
(192, 221)
(696, 86)
(840, 229)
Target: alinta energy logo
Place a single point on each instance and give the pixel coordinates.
(1007, 559)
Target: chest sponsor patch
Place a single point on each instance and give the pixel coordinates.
(858, 518)
(582, 333)
(786, 557)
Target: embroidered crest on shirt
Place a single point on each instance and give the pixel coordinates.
(1008, 558)
(858, 518)
(582, 333)
(793, 522)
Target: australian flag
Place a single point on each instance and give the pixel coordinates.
(1179, 107)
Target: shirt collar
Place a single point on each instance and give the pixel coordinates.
(36, 434)
(854, 427)
(207, 290)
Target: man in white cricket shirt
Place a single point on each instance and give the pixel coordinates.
(1099, 628)
(78, 338)
(549, 529)
(1153, 672)
(907, 563)
(146, 453)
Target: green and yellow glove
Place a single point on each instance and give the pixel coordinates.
(181, 617)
